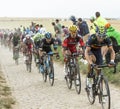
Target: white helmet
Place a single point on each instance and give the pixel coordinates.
(28, 36)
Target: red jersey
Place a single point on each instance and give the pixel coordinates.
(71, 43)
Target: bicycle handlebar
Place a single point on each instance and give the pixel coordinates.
(102, 66)
(50, 53)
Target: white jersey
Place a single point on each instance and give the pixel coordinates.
(28, 40)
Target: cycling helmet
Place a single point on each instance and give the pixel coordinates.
(28, 36)
(72, 18)
(73, 28)
(48, 35)
(101, 32)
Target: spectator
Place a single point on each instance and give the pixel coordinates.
(42, 30)
(83, 29)
(57, 33)
(65, 31)
(58, 24)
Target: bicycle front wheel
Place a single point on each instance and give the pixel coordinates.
(68, 78)
(90, 89)
(51, 74)
(28, 67)
(104, 95)
(16, 56)
(77, 79)
(44, 72)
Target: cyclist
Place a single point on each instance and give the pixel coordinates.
(28, 44)
(70, 43)
(93, 49)
(37, 41)
(15, 42)
(45, 46)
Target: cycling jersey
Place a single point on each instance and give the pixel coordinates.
(96, 47)
(16, 40)
(47, 46)
(28, 42)
(70, 43)
(95, 44)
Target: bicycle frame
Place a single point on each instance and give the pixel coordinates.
(48, 68)
(73, 72)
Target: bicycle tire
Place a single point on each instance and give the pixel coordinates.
(16, 61)
(68, 78)
(51, 74)
(28, 63)
(29, 67)
(90, 93)
(77, 79)
(16, 56)
(104, 96)
(44, 74)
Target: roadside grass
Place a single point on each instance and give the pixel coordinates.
(114, 78)
(6, 99)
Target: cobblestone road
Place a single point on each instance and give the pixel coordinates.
(32, 93)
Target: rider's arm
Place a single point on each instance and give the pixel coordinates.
(110, 48)
(112, 53)
(87, 51)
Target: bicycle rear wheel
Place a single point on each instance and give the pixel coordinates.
(68, 78)
(51, 74)
(90, 92)
(104, 95)
(77, 79)
(28, 67)
(28, 63)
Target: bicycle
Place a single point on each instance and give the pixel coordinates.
(73, 71)
(98, 86)
(28, 60)
(47, 67)
(16, 54)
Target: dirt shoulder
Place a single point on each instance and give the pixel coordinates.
(31, 92)
(7, 101)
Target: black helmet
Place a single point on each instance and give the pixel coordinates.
(48, 35)
(72, 18)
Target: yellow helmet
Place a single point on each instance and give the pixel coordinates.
(73, 28)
